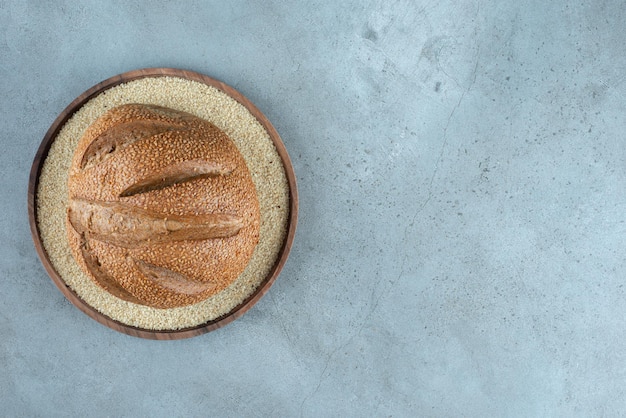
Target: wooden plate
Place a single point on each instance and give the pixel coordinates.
(42, 153)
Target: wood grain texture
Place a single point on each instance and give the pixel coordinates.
(40, 157)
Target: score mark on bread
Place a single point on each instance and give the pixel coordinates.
(129, 227)
(176, 173)
(162, 210)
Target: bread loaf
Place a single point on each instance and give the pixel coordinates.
(162, 210)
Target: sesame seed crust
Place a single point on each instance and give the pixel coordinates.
(148, 140)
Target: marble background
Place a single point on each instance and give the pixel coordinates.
(460, 251)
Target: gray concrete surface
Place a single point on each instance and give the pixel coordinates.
(460, 251)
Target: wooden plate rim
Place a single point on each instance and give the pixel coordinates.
(42, 153)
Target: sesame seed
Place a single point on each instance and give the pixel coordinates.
(253, 142)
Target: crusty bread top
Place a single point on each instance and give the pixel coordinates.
(162, 209)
